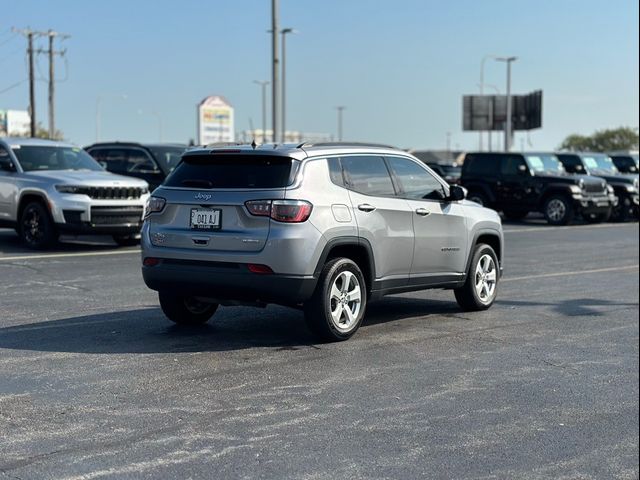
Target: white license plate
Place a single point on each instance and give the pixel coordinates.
(205, 218)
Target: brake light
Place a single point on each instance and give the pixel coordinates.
(260, 208)
(287, 211)
(290, 211)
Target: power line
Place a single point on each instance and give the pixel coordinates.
(51, 52)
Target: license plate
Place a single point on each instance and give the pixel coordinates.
(205, 218)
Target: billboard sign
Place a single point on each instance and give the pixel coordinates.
(15, 123)
(215, 121)
(489, 112)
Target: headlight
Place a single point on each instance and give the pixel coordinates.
(68, 189)
(154, 205)
(575, 189)
(610, 189)
(631, 188)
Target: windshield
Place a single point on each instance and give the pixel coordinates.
(599, 163)
(37, 158)
(168, 156)
(544, 163)
(635, 158)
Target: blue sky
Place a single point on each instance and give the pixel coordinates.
(399, 66)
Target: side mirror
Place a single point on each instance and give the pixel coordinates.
(579, 168)
(6, 164)
(457, 193)
(523, 170)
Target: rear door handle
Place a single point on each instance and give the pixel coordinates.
(365, 207)
(423, 212)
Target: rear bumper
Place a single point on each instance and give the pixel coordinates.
(227, 281)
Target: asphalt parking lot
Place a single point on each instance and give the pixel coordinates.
(96, 383)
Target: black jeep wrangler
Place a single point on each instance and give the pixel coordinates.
(601, 165)
(517, 184)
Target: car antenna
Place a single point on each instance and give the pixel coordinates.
(254, 144)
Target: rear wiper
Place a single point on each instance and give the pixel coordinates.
(197, 183)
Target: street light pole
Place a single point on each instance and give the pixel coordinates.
(263, 85)
(275, 84)
(508, 125)
(482, 62)
(340, 110)
(283, 113)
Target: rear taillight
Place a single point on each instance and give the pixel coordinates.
(154, 205)
(287, 211)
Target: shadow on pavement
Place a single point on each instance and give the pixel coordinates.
(146, 330)
(10, 244)
(576, 307)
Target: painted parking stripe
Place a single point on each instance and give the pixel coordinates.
(67, 255)
(550, 228)
(575, 272)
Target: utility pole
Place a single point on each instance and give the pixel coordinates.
(275, 67)
(29, 34)
(340, 110)
(52, 53)
(283, 113)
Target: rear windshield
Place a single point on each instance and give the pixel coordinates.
(233, 171)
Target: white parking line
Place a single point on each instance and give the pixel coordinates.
(550, 228)
(575, 272)
(65, 255)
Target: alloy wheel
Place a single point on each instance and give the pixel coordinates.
(485, 278)
(345, 301)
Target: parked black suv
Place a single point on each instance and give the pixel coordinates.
(150, 161)
(449, 171)
(600, 165)
(517, 184)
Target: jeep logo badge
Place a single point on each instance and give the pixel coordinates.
(203, 196)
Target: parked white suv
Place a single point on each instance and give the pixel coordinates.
(48, 188)
(326, 227)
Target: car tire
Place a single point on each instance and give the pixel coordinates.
(515, 214)
(622, 212)
(481, 286)
(186, 310)
(558, 210)
(336, 309)
(126, 240)
(36, 228)
(478, 197)
(598, 217)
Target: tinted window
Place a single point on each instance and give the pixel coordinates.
(124, 160)
(368, 175)
(233, 171)
(570, 162)
(168, 156)
(415, 181)
(335, 171)
(510, 165)
(482, 165)
(33, 157)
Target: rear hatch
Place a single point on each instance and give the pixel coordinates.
(206, 199)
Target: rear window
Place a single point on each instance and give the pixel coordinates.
(233, 171)
(484, 165)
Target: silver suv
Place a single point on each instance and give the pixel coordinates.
(49, 188)
(326, 227)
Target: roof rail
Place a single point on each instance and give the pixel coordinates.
(344, 144)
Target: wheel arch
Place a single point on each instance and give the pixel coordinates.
(491, 238)
(357, 249)
(32, 196)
